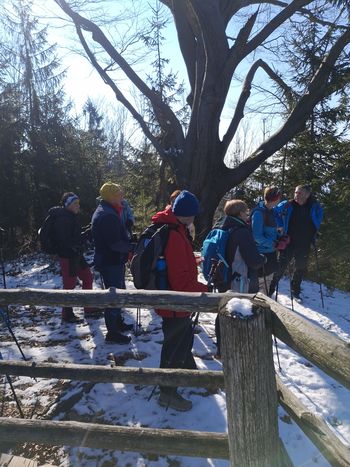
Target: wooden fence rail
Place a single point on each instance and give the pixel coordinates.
(105, 374)
(325, 350)
(92, 435)
(314, 426)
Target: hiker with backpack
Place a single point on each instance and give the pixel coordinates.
(300, 219)
(181, 275)
(62, 234)
(112, 247)
(233, 255)
(266, 234)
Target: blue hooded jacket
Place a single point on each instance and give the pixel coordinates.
(111, 240)
(284, 210)
(264, 227)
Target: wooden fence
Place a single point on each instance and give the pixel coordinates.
(253, 390)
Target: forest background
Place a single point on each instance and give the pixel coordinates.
(48, 145)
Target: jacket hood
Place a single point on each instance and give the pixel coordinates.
(230, 222)
(165, 217)
(58, 211)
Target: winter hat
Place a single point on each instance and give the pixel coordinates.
(186, 204)
(109, 190)
(68, 198)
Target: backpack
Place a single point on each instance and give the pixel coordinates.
(47, 242)
(215, 268)
(148, 251)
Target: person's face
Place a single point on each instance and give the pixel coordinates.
(117, 198)
(301, 196)
(244, 215)
(74, 207)
(186, 220)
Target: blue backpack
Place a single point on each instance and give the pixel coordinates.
(214, 252)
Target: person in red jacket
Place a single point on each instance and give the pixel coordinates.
(182, 276)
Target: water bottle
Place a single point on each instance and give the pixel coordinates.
(162, 276)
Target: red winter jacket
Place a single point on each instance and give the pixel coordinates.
(180, 260)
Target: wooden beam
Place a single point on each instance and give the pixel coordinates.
(321, 347)
(177, 301)
(314, 427)
(126, 375)
(152, 440)
(251, 394)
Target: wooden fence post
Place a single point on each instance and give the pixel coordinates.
(251, 394)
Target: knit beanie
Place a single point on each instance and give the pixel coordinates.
(186, 204)
(109, 190)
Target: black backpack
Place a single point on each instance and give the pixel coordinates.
(149, 248)
(46, 238)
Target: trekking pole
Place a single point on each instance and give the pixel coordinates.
(2, 233)
(290, 285)
(318, 273)
(6, 320)
(13, 392)
(138, 322)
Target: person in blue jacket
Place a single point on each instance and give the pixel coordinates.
(265, 233)
(112, 246)
(300, 219)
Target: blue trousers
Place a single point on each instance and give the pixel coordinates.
(113, 276)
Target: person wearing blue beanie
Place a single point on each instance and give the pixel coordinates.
(186, 204)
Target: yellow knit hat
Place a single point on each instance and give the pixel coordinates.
(109, 190)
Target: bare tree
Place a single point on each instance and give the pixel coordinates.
(211, 58)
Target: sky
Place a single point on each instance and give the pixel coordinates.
(83, 82)
(43, 338)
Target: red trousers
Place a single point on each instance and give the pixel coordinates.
(69, 282)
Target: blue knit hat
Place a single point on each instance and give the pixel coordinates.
(186, 204)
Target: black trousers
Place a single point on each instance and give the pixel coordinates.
(177, 345)
(300, 254)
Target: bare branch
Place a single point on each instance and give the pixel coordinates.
(119, 95)
(244, 96)
(298, 117)
(99, 37)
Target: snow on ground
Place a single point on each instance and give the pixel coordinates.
(43, 338)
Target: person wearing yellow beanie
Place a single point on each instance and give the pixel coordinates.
(112, 245)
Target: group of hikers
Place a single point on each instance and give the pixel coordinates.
(266, 241)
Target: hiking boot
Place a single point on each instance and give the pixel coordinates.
(93, 313)
(175, 401)
(73, 319)
(126, 327)
(69, 317)
(117, 338)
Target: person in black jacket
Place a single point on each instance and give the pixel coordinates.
(69, 241)
(112, 245)
(241, 252)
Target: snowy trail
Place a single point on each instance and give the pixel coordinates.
(43, 338)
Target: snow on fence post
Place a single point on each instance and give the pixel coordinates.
(251, 394)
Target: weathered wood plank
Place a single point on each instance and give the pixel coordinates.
(251, 395)
(314, 427)
(126, 375)
(321, 347)
(177, 301)
(152, 440)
